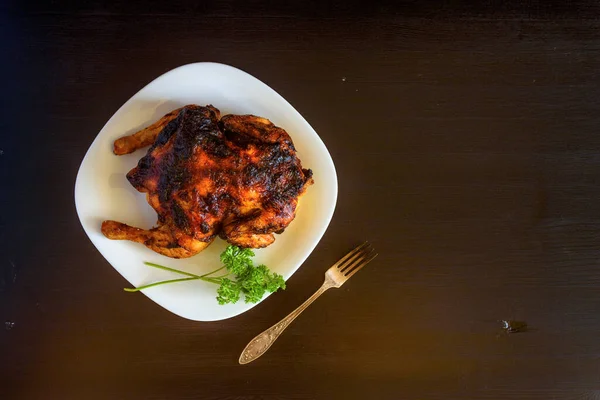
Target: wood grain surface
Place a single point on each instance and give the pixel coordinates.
(467, 143)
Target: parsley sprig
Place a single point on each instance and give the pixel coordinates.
(241, 277)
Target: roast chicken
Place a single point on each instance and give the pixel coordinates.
(236, 176)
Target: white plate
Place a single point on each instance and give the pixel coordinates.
(102, 191)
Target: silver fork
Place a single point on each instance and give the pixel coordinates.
(335, 277)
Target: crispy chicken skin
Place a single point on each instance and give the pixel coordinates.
(237, 177)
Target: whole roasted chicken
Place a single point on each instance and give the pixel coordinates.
(237, 177)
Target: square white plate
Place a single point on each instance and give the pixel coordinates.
(102, 191)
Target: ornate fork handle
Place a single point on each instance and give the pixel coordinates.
(261, 343)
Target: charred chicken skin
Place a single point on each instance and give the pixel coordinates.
(237, 177)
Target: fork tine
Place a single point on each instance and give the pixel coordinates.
(358, 261)
(364, 250)
(360, 266)
(351, 253)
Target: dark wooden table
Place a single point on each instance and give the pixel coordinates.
(467, 144)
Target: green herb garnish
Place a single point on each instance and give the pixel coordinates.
(242, 277)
